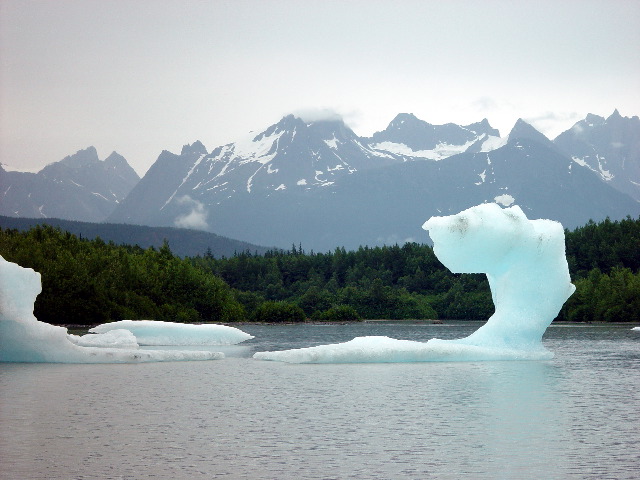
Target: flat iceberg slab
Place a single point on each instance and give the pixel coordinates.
(23, 338)
(153, 332)
(390, 350)
(526, 266)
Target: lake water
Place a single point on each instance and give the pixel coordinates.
(575, 416)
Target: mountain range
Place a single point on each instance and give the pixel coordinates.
(78, 187)
(320, 185)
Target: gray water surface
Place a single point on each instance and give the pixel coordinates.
(575, 416)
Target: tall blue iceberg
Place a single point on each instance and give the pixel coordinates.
(526, 266)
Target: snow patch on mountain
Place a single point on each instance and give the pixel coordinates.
(440, 152)
(333, 143)
(262, 148)
(493, 143)
(600, 170)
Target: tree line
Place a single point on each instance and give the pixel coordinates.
(90, 281)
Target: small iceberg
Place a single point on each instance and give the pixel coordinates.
(153, 332)
(23, 338)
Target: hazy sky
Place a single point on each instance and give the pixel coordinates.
(140, 76)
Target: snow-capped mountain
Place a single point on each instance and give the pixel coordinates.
(609, 147)
(291, 156)
(389, 205)
(79, 187)
(408, 137)
(320, 184)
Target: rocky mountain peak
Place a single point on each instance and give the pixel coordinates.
(196, 147)
(115, 159)
(483, 126)
(592, 119)
(523, 130)
(81, 158)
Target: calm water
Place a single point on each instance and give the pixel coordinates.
(575, 416)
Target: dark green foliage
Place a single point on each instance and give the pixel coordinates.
(469, 297)
(602, 297)
(381, 282)
(88, 282)
(604, 260)
(279, 312)
(604, 246)
(339, 313)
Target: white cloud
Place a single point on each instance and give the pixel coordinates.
(196, 218)
(550, 123)
(317, 114)
(484, 104)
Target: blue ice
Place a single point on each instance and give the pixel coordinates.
(153, 332)
(526, 266)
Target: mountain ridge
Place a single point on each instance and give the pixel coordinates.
(80, 187)
(320, 184)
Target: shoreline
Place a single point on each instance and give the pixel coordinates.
(371, 321)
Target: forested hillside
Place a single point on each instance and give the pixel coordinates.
(184, 242)
(90, 281)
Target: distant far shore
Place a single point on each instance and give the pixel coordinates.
(349, 322)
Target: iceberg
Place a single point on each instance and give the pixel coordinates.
(153, 332)
(526, 265)
(23, 338)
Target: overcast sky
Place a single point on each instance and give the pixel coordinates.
(140, 76)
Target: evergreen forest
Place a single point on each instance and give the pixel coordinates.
(87, 282)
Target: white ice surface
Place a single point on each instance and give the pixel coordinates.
(529, 279)
(23, 338)
(153, 332)
(112, 339)
(381, 349)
